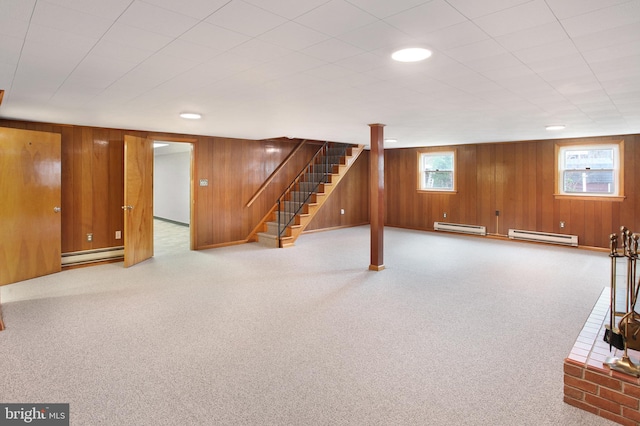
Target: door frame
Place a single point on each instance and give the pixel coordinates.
(158, 137)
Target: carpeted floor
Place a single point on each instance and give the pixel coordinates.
(456, 330)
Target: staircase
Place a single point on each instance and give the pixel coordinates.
(297, 206)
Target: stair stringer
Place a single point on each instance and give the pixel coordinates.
(318, 199)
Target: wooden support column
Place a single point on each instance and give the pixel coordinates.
(377, 196)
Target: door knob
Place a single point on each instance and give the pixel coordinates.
(127, 207)
(57, 209)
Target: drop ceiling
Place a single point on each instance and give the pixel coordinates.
(501, 70)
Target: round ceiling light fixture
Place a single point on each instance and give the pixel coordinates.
(411, 54)
(555, 127)
(191, 115)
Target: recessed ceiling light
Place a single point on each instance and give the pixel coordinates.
(555, 127)
(412, 54)
(191, 115)
(391, 140)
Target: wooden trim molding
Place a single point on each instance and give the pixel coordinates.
(1, 96)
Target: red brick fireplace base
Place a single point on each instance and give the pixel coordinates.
(590, 384)
(603, 392)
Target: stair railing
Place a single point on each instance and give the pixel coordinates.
(305, 184)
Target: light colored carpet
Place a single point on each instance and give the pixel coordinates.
(456, 330)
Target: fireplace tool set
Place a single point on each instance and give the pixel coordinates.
(627, 333)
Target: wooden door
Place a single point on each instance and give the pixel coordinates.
(30, 217)
(138, 200)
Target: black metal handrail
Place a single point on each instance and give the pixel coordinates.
(306, 183)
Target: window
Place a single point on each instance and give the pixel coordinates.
(437, 171)
(589, 170)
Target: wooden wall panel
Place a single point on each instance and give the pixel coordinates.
(93, 184)
(351, 194)
(518, 179)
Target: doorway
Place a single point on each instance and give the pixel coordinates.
(172, 198)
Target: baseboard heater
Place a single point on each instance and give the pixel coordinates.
(91, 256)
(459, 227)
(544, 237)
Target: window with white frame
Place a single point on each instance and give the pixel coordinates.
(437, 171)
(590, 170)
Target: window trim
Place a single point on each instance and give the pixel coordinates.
(619, 175)
(443, 150)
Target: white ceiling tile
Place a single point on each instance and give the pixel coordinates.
(573, 85)
(182, 49)
(214, 37)
(335, 17)
(245, 18)
(293, 36)
(10, 48)
(621, 86)
(98, 72)
(287, 65)
(68, 20)
(136, 37)
(475, 51)
(6, 76)
(156, 19)
(332, 50)
(439, 66)
(363, 62)
(499, 73)
(613, 53)
(603, 19)
(528, 15)
(535, 36)
(385, 8)
(378, 35)
(54, 37)
(74, 98)
(496, 62)
(455, 36)
(525, 85)
(546, 51)
(568, 8)
(260, 51)
(37, 56)
(427, 18)
(290, 9)
(474, 9)
(15, 17)
(628, 66)
(199, 9)
(571, 61)
(124, 52)
(110, 10)
(329, 68)
(16, 9)
(568, 73)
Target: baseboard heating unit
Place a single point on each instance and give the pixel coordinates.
(90, 256)
(459, 227)
(544, 237)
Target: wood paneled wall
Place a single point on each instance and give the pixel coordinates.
(235, 170)
(352, 195)
(93, 184)
(517, 179)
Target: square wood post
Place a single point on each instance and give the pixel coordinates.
(377, 196)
